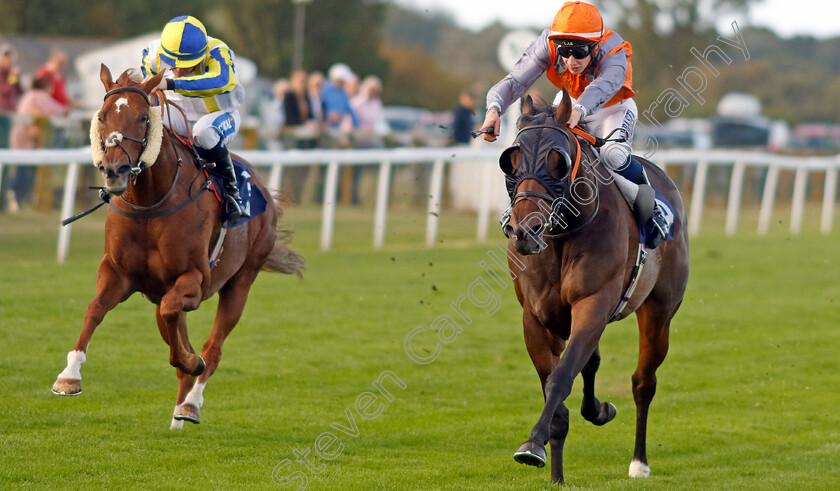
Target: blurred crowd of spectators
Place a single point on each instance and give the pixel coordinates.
(27, 113)
(338, 110)
(309, 110)
(343, 110)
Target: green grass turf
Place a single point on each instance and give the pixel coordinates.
(747, 397)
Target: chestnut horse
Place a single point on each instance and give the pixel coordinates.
(159, 232)
(573, 247)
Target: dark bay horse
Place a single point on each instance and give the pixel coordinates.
(573, 247)
(159, 233)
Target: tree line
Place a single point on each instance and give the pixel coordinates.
(424, 59)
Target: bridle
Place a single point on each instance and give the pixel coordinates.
(556, 216)
(116, 138)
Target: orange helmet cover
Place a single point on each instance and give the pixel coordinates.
(577, 20)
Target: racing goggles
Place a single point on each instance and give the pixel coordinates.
(580, 51)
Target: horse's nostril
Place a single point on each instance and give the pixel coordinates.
(123, 170)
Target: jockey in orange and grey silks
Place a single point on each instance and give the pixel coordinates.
(607, 80)
(612, 59)
(593, 66)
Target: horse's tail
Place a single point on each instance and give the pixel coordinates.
(283, 259)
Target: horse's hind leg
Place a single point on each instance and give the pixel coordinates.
(191, 410)
(596, 412)
(232, 299)
(654, 322)
(111, 289)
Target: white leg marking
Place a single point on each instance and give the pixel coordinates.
(176, 424)
(638, 469)
(75, 360)
(196, 395)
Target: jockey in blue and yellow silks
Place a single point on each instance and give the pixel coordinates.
(201, 74)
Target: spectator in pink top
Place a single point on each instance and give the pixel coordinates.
(36, 103)
(27, 133)
(367, 105)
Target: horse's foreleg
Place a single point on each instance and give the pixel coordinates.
(556, 440)
(593, 410)
(544, 350)
(111, 289)
(587, 326)
(186, 383)
(653, 346)
(185, 295)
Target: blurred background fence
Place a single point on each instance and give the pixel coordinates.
(708, 179)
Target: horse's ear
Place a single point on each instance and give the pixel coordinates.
(527, 105)
(105, 76)
(564, 110)
(153, 82)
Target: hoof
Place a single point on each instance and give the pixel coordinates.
(606, 415)
(199, 369)
(188, 412)
(639, 469)
(531, 453)
(67, 387)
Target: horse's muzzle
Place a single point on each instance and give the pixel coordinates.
(528, 240)
(116, 177)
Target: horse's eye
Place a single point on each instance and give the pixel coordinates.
(145, 117)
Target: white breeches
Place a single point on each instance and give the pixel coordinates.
(622, 115)
(209, 129)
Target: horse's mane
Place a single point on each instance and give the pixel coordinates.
(132, 76)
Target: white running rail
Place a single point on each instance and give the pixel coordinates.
(438, 158)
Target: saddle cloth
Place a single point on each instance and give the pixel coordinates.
(253, 200)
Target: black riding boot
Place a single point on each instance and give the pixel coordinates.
(646, 204)
(219, 154)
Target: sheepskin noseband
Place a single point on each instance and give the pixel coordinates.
(150, 150)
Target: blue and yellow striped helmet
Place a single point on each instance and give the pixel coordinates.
(183, 42)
